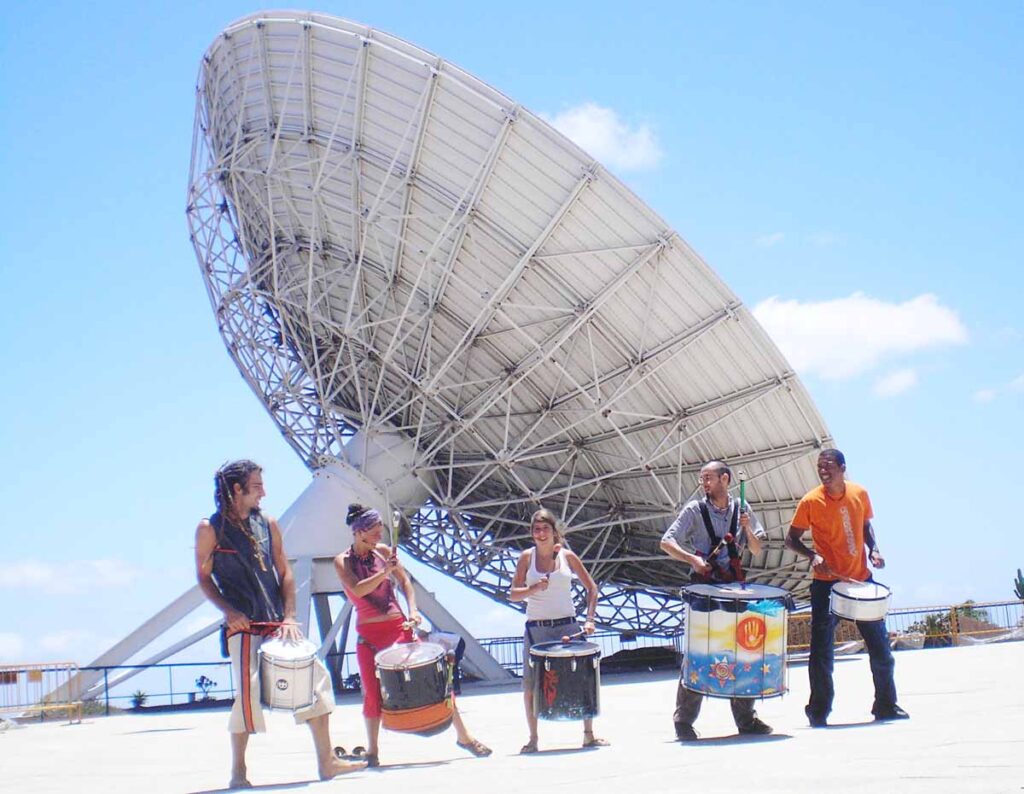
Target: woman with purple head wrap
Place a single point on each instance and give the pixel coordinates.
(366, 570)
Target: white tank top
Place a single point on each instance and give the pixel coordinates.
(556, 601)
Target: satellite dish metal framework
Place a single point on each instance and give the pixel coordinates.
(453, 312)
(395, 249)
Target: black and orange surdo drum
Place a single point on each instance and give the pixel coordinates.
(415, 688)
(566, 680)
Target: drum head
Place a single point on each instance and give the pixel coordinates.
(404, 655)
(736, 597)
(288, 650)
(861, 591)
(742, 591)
(564, 649)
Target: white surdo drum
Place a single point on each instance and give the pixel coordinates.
(860, 600)
(286, 673)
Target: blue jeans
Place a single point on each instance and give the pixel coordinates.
(819, 667)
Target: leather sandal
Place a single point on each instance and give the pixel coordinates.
(476, 747)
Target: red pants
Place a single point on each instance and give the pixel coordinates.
(373, 638)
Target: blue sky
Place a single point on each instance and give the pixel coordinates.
(853, 173)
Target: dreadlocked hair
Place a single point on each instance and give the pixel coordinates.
(236, 472)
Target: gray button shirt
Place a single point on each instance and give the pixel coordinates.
(688, 528)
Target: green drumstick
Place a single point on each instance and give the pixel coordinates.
(743, 489)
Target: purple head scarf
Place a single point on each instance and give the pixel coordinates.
(366, 521)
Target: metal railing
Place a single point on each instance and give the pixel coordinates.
(28, 690)
(961, 624)
(508, 651)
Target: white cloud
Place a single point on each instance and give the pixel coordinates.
(896, 383)
(1015, 386)
(846, 337)
(67, 578)
(12, 647)
(67, 641)
(769, 240)
(615, 143)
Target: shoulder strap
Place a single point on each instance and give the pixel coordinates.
(707, 524)
(735, 568)
(733, 529)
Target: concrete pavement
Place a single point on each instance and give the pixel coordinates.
(966, 734)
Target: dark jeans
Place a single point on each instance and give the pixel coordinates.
(819, 668)
(688, 705)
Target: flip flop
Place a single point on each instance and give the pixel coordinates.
(372, 761)
(594, 741)
(529, 747)
(476, 747)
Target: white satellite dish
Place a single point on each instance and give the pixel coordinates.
(454, 312)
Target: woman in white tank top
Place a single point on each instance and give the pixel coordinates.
(543, 579)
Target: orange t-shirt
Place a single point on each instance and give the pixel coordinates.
(837, 527)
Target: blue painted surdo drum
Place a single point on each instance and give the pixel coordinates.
(736, 640)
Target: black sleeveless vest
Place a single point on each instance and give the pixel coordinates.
(248, 586)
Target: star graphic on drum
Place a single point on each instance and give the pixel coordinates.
(766, 668)
(694, 677)
(722, 671)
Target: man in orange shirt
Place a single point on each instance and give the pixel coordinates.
(838, 515)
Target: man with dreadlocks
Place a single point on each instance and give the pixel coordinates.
(243, 570)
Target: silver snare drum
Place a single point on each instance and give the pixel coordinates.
(865, 601)
(286, 674)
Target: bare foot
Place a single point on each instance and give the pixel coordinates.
(239, 781)
(340, 767)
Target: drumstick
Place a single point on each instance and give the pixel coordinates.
(568, 637)
(743, 489)
(726, 538)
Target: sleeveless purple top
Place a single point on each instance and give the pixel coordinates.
(379, 601)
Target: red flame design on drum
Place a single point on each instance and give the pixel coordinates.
(550, 687)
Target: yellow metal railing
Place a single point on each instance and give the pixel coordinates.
(34, 690)
(939, 625)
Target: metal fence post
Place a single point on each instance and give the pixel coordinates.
(106, 693)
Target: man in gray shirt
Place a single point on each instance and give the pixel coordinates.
(688, 540)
